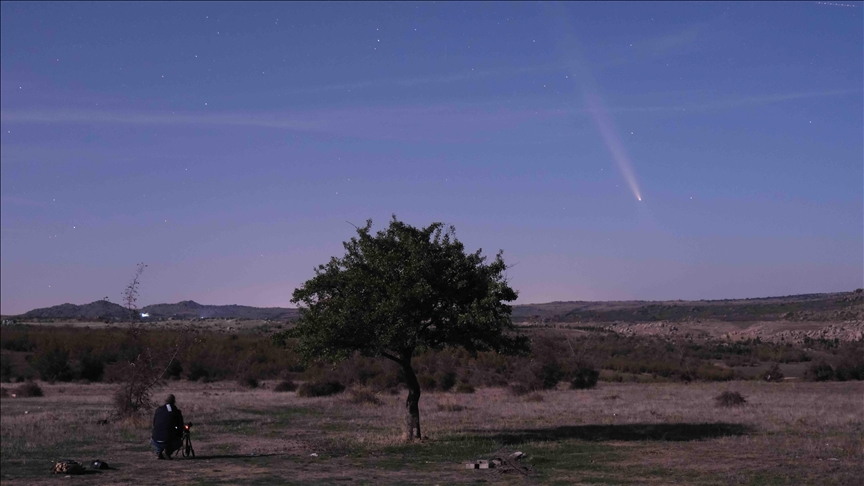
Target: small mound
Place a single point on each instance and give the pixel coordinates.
(730, 399)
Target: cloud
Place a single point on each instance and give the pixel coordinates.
(736, 102)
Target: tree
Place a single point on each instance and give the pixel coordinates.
(402, 291)
(130, 294)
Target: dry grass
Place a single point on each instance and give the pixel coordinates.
(789, 433)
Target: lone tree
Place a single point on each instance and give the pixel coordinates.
(402, 291)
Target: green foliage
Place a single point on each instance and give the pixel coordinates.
(401, 290)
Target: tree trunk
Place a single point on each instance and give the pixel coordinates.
(412, 404)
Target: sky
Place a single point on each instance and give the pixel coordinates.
(611, 150)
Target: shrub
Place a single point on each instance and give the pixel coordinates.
(249, 381)
(447, 381)
(820, 371)
(584, 378)
(550, 374)
(730, 399)
(174, 370)
(450, 407)
(197, 371)
(3, 392)
(53, 365)
(91, 368)
(465, 388)
(534, 397)
(362, 395)
(519, 389)
(320, 389)
(427, 382)
(29, 389)
(285, 386)
(773, 374)
(6, 369)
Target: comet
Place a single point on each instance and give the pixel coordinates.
(594, 105)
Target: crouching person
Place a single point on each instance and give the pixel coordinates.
(167, 429)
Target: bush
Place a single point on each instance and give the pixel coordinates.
(820, 371)
(730, 399)
(29, 389)
(6, 369)
(197, 371)
(519, 389)
(773, 374)
(465, 388)
(174, 370)
(447, 381)
(362, 395)
(53, 365)
(550, 374)
(427, 382)
(92, 368)
(285, 386)
(320, 389)
(249, 381)
(584, 378)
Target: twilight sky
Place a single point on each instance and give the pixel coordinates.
(228, 145)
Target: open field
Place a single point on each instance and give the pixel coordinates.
(617, 433)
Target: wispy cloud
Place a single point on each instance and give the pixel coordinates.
(470, 75)
(735, 102)
(21, 201)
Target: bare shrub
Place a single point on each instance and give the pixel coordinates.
(320, 389)
(285, 386)
(773, 374)
(362, 395)
(465, 388)
(730, 399)
(29, 389)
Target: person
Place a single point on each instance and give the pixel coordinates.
(167, 429)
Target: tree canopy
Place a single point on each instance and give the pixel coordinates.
(401, 291)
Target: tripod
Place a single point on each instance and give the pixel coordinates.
(187, 441)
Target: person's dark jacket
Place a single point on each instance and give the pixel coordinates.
(167, 423)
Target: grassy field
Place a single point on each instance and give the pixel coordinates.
(617, 433)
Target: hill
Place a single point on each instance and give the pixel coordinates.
(103, 310)
(841, 306)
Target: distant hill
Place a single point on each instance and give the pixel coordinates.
(189, 309)
(809, 307)
(102, 310)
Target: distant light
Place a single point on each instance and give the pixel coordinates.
(144, 315)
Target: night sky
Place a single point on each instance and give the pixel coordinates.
(230, 146)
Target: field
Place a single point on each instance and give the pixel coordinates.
(616, 433)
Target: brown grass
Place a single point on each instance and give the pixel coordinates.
(650, 433)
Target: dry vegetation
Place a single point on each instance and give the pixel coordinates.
(619, 433)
